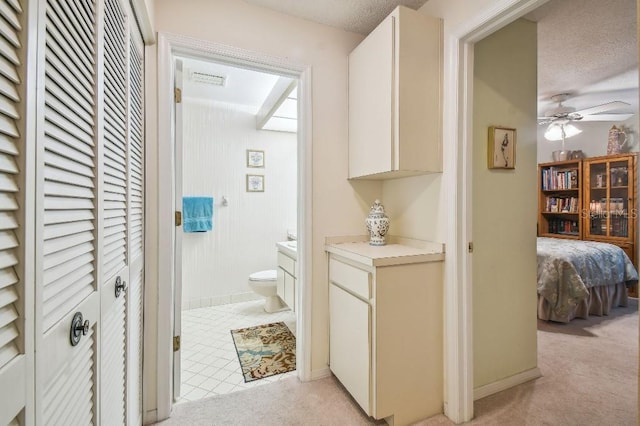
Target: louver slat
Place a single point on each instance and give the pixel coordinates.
(114, 160)
(136, 158)
(10, 31)
(70, 392)
(114, 226)
(69, 132)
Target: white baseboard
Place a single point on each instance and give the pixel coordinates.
(244, 297)
(219, 300)
(321, 373)
(150, 417)
(506, 383)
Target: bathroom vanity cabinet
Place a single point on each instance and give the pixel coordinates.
(395, 93)
(286, 280)
(385, 316)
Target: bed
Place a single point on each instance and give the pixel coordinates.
(581, 278)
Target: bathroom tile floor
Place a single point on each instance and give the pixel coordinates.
(210, 364)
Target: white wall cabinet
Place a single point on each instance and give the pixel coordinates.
(395, 93)
(286, 281)
(385, 318)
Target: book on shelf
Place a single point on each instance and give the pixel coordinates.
(553, 179)
(561, 204)
(563, 226)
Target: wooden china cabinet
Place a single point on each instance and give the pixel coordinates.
(610, 205)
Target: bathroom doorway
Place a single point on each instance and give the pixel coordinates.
(236, 155)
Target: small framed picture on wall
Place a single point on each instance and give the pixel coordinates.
(502, 148)
(255, 183)
(255, 158)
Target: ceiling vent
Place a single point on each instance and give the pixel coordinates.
(205, 78)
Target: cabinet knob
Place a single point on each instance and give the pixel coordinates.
(78, 328)
(120, 286)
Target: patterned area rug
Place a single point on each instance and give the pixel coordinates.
(265, 350)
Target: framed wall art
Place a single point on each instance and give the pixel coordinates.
(502, 148)
(255, 158)
(255, 183)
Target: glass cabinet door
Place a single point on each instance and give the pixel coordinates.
(608, 198)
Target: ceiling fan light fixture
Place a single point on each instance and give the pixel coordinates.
(559, 131)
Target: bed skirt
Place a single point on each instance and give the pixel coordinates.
(599, 302)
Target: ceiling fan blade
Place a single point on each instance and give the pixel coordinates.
(607, 117)
(602, 108)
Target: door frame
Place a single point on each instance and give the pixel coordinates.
(458, 90)
(168, 46)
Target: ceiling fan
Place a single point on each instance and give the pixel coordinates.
(565, 114)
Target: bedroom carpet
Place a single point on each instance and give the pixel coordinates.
(589, 367)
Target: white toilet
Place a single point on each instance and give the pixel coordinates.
(264, 284)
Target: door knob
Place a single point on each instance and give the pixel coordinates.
(120, 286)
(78, 328)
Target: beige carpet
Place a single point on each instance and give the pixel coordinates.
(589, 372)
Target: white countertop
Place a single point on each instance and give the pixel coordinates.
(290, 248)
(398, 251)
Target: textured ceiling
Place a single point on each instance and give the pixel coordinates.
(358, 16)
(587, 48)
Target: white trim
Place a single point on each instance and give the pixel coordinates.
(458, 125)
(321, 373)
(141, 13)
(305, 230)
(168, 45)
(165, 172)
(29, 162)
(506, 383)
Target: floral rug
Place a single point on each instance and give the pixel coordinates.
(265, 350)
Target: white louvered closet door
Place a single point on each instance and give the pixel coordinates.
(67, 214)
(136, 225)
(115, 272)
(14, 362)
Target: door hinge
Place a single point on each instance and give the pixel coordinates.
(470, 247)
(178, 218)
(178, 95)
(176, 343)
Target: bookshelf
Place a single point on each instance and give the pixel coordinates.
(591, 199)
(560, 199)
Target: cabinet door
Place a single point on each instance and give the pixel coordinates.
(115, 270)
(68, 214)
(16, 295)
(350, 343)
(135, 239)
(370, 102)
(289, 290)
(280, 290)
(610, 198)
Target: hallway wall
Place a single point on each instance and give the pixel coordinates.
(505, 207)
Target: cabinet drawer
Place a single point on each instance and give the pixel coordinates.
(287, 263)
(351, 278)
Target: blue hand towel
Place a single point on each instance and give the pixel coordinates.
(197, 213)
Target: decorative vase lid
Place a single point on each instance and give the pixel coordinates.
(377, 209)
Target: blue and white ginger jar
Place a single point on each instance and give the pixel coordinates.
(377, 224)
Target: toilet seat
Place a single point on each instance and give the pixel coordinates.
(268, 275)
